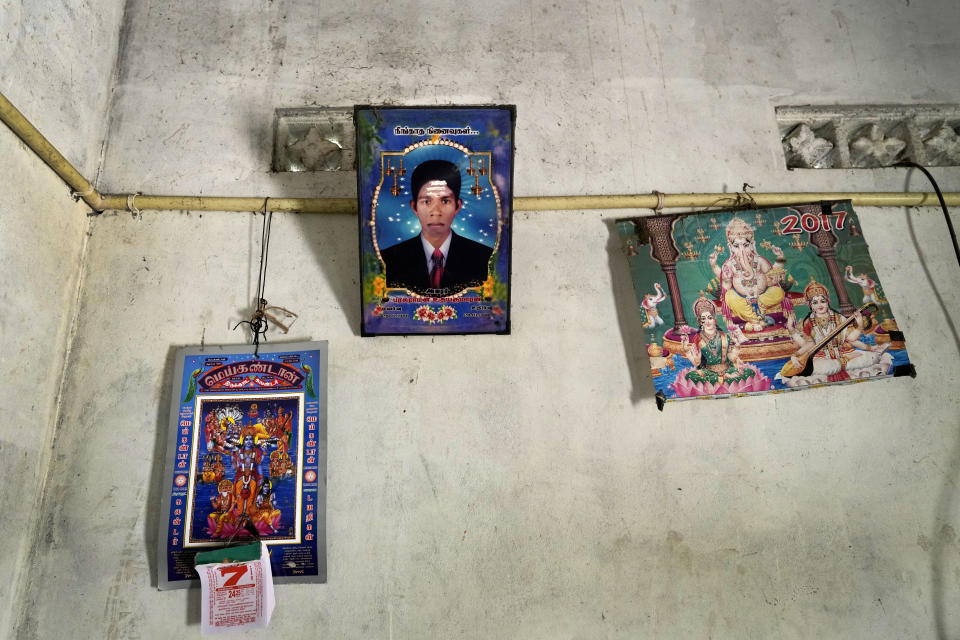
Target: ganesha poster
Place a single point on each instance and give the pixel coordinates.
(435, 187)
(760, 300)
(246, 459)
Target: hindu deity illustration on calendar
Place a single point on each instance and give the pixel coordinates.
(246, 457)
(760, 300)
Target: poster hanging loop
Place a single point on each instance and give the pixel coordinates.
(258, 321)
(739, 201)
(658, 209)
(131, 203)
(744, 199)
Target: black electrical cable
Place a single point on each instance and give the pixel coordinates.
(943, 205)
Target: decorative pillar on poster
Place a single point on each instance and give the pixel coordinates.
(664, 251)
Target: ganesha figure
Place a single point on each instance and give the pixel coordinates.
(752, 290)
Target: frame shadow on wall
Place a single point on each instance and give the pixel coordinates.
(333, 243)
(332, 237)
(156, 487)
(628, 318)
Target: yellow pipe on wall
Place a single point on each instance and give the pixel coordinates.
(22, 127)
(537, 203)
(204, 203)
(82, 188)
(691, 200)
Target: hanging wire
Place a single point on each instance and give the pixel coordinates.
(943, 205)
(746, 198)
(733, 202)
(258, 321)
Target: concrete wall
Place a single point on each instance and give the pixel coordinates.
(43, 237)
(57, 63)
(532, 490)
(633, 91)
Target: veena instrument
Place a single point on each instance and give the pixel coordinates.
(790, 370)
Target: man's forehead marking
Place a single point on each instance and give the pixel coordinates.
(435, 187)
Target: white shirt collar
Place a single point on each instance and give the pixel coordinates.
(428, 249)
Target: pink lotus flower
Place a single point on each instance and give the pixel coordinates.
(688, 389)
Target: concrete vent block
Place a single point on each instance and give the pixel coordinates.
(869, 136)
(871, 147)
(942, 145)
(314, 139)
(805, 149)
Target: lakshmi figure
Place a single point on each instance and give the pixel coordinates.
(845, 355)
(751, 289)
(714, 355)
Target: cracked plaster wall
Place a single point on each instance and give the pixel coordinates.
(57, 60)
(531, 489)
(43, 236)
(56, 63)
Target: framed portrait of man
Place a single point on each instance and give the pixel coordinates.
(435, 186)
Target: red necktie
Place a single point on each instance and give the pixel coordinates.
(437, 271)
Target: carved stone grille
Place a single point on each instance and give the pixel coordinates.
(313, 139)
(869, 136)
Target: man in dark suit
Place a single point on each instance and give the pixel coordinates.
(437, 262)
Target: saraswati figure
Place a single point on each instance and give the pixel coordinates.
(830, 348)
(752, 289)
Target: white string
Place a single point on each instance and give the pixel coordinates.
(131, 206)
(658, 209)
